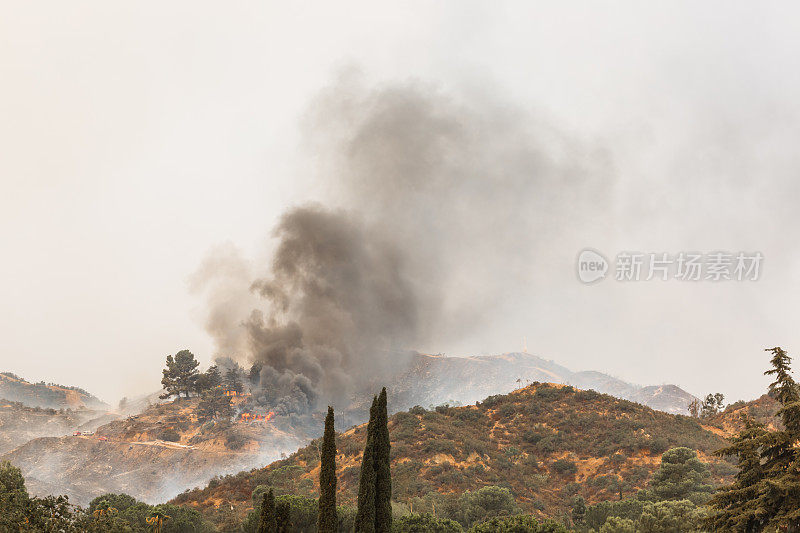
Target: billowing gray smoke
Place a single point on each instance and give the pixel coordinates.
(440, 211)
(337, 299)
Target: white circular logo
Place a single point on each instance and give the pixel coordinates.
(592, 266)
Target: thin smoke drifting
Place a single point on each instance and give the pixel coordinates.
(418, 243)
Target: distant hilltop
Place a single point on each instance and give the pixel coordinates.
(433, 379)
(49, 395)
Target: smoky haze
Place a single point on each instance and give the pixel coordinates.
(528, 132)
(431, 197)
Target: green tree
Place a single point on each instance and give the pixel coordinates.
(711, 405)
(425, 523)
(375, 484)
(578, 510)
(214, 404)
(269, 522)
(737, 507)
(383, 475)
(51, 513)
(766, 494)
(180, 375)
(694, 408)
(681, 476)
(181, 519)
(14, 499)
(209, 379)
(674, 516)
(616, 524)
(327, 520)
(599, 513)
(120, 502)
(518, 524)
(486, 502)
(233, 380)
(365, 515)
(294, 514)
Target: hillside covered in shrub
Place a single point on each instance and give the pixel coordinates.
(545, 443)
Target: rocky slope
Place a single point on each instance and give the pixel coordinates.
(545, 442)
(729, 422)
(20, 423)
(47, 395)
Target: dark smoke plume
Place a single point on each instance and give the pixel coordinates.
(337, 300)
(442, 210)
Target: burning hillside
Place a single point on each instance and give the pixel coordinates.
(156, 454)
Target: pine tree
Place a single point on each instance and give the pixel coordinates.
(766, 493)
(214, 404)
(737, 506)
(681, 476)
(180, 375)
(233, 380)
(365, 514)
(780, 454)
(269, 521)
(383, 476)
(209, 379)
(326, 519)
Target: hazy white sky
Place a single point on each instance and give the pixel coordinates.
(135, 136)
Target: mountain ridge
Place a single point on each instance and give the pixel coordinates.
(46, 395)
(433, 379)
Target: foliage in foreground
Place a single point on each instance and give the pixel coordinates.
(111, 512)
(766, 492)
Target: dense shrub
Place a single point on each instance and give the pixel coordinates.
(486, 502)
(170, 435)
(469, 415)
(436, 446)
(296, 514)
(425, 523)
(518, 524)
(659, 445)
(564, 467)
(492, 401)
(507, 409)
(235, 440)
(597, 514)
(533, 436)
(548, 394)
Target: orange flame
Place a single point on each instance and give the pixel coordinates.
(247, 417)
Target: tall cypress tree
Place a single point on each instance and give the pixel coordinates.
(269, 520)
(326, 519)
(365, 515)
(383, 476)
